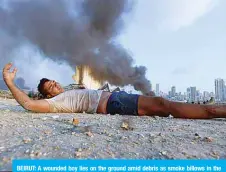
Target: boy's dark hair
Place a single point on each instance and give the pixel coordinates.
(41, 86)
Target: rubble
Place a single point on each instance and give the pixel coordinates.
(75, 121)
(208, 139)
(163, 152)
(196, 134)
(89, 134)
(47, 132)
(78, 154)
(103, 137)
(125, 126)
(27, 140)
(55, 116)
(27, 151)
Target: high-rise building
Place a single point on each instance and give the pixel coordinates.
(198, 95)
(169, 94)
(157, 89)
(193, 94)
(224, 92)
(150, 87)
(206, 95)
(219, 89)
(173, 91)
(188, 94)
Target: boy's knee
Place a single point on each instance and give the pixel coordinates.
(210, 112)
(160, 102)
(152, 105)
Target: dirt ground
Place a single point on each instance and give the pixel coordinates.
(51, 136)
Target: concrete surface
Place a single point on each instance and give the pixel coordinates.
(45, 136)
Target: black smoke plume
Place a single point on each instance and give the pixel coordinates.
(79, 32)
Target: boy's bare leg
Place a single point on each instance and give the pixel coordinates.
(161, 107)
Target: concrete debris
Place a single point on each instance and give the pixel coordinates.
(125, 125)
(56, 148)
(208, 139)
(27, 151)
(196, 134)
(75, 121)
(170, 116)
(55, 116)
(78, 154)
(89, 134)
(215, 155)
(45, 118)
(47, 132)
(32, 155)
(27, 140)
(163, 152)
(38, 153)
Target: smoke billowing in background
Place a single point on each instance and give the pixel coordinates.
(69, 32)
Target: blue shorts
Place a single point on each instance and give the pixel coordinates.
(123, 103)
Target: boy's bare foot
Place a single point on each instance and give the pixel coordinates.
(211, 101)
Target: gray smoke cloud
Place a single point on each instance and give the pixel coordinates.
(79, 32)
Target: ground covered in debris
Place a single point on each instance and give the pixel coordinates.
(36, 136)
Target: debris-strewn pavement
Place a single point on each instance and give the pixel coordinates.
(36, 136)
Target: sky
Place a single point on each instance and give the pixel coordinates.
(181, 42)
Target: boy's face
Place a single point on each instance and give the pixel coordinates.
(52, 88)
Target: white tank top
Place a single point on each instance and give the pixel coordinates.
(76, 101)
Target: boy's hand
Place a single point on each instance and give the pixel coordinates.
(7, 75)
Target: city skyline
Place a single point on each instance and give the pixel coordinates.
(192, 94)
(168, 88)
(161, 91)
(182, 91)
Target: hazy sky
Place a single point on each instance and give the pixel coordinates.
(181, 42)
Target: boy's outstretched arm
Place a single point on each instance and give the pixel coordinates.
(20, 96)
